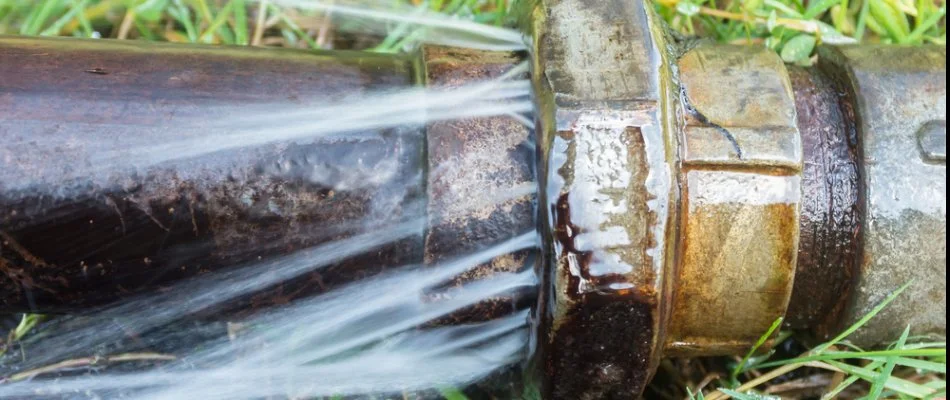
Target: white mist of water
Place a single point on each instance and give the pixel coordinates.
(366, 116)
(362, 338)
(403, 108)
(206, 292)
(376, 335)
(419, 360)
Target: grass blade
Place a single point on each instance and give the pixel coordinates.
(241, 33)
(862, 20)
(819, 7)
(924, 365)
(762, 339)
(931, 21)
(864, 320)
(840, 388)
(84, 23)
(181, 14)
(845, 355)
(217, 23)
(878, 385)
(697, 396)
(453, 394)
(36, 23)
(898, 385)
(144, 31)
(204, 10)
(888, 17)
(293, 26)
(747, 396)
(57, 26)
(788, 11)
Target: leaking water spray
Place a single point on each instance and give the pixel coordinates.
(492, 213)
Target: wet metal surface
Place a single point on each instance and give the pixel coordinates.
(481, 186)
(77, 230)
(608, 187)
(76, 234)
(739, 229)
(831, 208)
(739, 109)
(899, 93)
(932, 138)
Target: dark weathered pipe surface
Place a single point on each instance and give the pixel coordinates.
(900, 109)
(481, 188)
(831, 213)
(104, 196)
(770, 192)
(93, 207)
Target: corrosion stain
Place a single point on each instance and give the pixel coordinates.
(481, 191)
(601, 340)
(108, 227)
(830, 213)
(603, 347)
(580, 261)
(603, 350)
(738, 253)
(480, 182)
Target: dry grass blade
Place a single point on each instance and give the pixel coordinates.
(87, 361)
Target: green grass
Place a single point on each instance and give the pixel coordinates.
(791, 27)
(231, 22)
(922, 366)
(794, 27)
(27, 323)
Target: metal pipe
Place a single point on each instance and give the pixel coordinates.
(831, 207)
(696, 193)
(688, 194)
(88, 217)
(94, 207)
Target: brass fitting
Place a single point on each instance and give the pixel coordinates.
(696, 193)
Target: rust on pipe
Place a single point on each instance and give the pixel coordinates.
(91, 215)
(481, 191)
(481, 186)
(607, 195)
(831, 215)
(742, 157)
(87, 217)
(76, 236)
(805, 194)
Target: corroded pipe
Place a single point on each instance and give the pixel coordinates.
(88, 218)
(696, 193)
(106, 191)
(689, 194)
